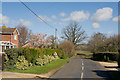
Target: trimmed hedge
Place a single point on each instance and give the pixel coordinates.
(119, 60)
(30, 54)
(105, 56)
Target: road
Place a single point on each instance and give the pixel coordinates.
(82, 68)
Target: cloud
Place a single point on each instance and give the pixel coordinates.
(62, 14)
(3, 19)
(53, 16)
(103, 14)
(45, 18)
(77, 16)
(95, 25)
(116, 19)
(21, 22)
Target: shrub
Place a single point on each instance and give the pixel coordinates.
(68, 48)
(39, 61)
(21, 64)
(52, 58)
(57, 57)
(30, 54)
(119, 60)
(30, 64)
(12, 54)
(45, 60)
(105, 56)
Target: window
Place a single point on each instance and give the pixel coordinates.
(15, 37)
(7, 47)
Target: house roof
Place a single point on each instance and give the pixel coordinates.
(7, 30)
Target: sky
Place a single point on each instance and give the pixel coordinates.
(92, 16)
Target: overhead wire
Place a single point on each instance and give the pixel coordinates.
(36, 14)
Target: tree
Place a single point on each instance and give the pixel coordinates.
(39, 41)
(52, 38)
(68, 48)
(74, 33)
(24, 35)
(111, 43)
(97, 42)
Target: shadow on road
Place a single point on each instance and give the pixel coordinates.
(109, 75)
(111, 66)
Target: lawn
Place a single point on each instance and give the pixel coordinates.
(43, 69)
(84, 52)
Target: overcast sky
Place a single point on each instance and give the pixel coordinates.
(93, 16)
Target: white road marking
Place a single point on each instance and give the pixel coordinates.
(82, 68)
(82, 64)
(82, 75)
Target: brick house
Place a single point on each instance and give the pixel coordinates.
(8, 38)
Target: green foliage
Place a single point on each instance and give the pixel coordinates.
(105, 56)
(6, 60)
(39, 61)
(43, 69)
(45, 60)
(119, 60)
(21, 64)
(57, 57)
(30, 64)
(12, 54)
(30, 54)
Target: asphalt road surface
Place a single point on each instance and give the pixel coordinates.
(82, 68)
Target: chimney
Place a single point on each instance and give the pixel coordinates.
(3, 26)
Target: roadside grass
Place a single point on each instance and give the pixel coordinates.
(84, 52)
(43, 69)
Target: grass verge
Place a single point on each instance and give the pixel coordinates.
(43, 69)
(84, 52)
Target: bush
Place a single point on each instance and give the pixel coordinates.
(119, 60)
(30, 54)
(39, 61)
(21, 64)
(12, 55)
(105, 56)
(45, 60)
(68, 48)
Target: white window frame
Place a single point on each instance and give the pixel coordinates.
(15, 37)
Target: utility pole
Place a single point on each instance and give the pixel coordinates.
(55, 37)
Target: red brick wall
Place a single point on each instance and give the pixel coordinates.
(8, 38)
(15, 41)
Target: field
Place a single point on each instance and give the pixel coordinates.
(84, 52)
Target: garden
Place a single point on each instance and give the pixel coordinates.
(34, 60)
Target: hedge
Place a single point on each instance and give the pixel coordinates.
(30, 54)
(119, 60)
(105, 56)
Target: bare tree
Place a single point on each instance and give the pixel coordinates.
(52, 38)
(24, 34)
(97, 42)
(74, 33)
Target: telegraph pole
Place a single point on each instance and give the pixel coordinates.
(55, 38)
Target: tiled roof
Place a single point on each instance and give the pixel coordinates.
(7, 30)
